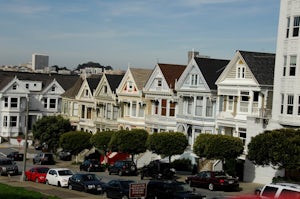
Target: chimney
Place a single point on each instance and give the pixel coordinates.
(192, 54)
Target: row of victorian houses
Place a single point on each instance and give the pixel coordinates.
(230, 97)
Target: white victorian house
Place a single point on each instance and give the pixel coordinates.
(197, 94)
(131, 99)
(106, 103)
(161, 98)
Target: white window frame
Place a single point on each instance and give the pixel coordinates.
(194, 79)
(199, 106)
(293, 63)
(290, 104)
(296, 26)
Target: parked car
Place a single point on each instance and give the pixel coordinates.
(37, 174)
(15, 156)
(280, 191)
(86, 182)
(168, 189)
(118, 188)
(8, 166)
(213, 180)
(43, 158)
(157, 169)
(91, 165)
(65, 155)
(58, 177)
(123, 167)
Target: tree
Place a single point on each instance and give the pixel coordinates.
(167, 143)
(48, 129)
(218, 146)
(75, 141)
(132, 142)
(101, 140)
(279, 148)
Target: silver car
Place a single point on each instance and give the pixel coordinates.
(8, 166)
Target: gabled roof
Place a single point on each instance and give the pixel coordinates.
(171, 72)
(261, 65)
(93, 82)
(65, 81)
(211, 69)
(72, 92)
(140, 76)
(114, 81)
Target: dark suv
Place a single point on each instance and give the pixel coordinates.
(7, 166)
(123, 167)
(44, 158)
(157, 169)
(91, 165)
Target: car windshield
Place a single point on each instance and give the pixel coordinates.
(90, 177)
(182, 188)
(65, 172)
(42, 170)
(6, 162)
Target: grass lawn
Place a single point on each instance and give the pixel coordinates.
(10, 192)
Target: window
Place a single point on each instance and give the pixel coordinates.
(75, 109)
(53, 88)
(172, 109)
(199, 106)
(27, 86)
(82, 111)
(89, 113)
(230, 103)
(104, 89)
(13, 121)
(241, 72)
(14, 87)
(45, 102)
(298, 105)
(284, 65)
(244, 102)
(133, 110)
(159, 83)
(86, 94)
(164, 107)
(156, 106)
(189, 105)
(141, 110)
(14, 102)
(130, 86)
(6, 102)
(282, 103)
(242, 134)
(115, 112)
(293, 62)
(296, 26)
(52, 103)
(209, 107)
(194, 79)
(5, 121)
(288, 27)
(290, 103)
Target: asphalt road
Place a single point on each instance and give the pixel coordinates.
(246, 188)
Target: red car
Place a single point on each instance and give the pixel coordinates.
(213, 180)
(37, 174)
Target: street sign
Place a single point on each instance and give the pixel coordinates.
(19, 139)
(137, 190)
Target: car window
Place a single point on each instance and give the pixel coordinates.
(65, 172)
(269, 192)
(289, 194)
(89, 177)
(42, 170)
(220, 173)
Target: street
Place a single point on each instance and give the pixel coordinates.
(103, 175)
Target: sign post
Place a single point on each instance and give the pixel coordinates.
(19, 139)
(137, 190)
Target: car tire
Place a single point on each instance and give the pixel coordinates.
(190, 183)
(124, 197)
(36, 180)
(26, 178)
(58, 184)
(70, 187)
(47, 182)
(211, 186)
(142, 176)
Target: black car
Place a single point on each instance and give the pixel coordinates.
(118, 188)
(157, 169)
(86, 182)
(65, 155)
(43, 158)
(15, 156)
(166, 189)
(123, 167)
(91, 165)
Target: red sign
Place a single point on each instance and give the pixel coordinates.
(19, 139)
(137, 190)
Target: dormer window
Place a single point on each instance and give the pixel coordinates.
(86, 93)
(129, 86)
(27, 86)
(53, 88)
(104, 89)
(159, 82)
(241, 72)
(14, 87)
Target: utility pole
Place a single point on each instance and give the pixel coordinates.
(26, 138)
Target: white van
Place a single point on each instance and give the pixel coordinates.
(280, 191)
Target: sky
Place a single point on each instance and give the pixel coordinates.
(135, 33)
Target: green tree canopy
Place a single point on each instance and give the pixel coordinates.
(132, 142)
(218, 146)
(280, 147)
(167, 143)
(101, 140)
(75, 141)
(48, 129)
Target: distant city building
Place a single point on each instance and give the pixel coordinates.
(39, 61)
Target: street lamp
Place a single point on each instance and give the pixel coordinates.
(26, 138)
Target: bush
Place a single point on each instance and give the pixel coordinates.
(182, 165)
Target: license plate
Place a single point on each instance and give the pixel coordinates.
(11, 172)
(99, 189)
(230, 182)
(96, 165)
